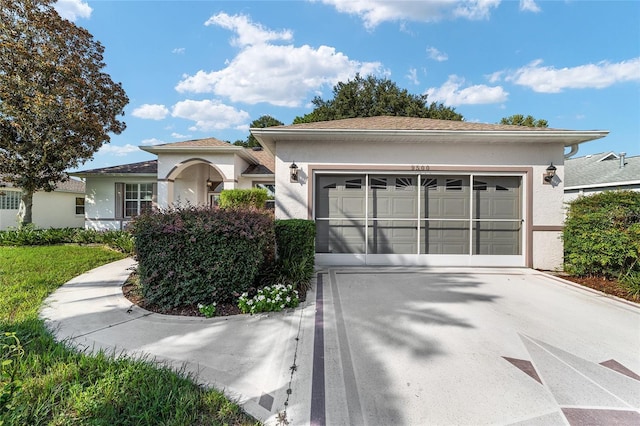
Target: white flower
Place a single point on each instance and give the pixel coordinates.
(249, 302)
(282, 306)
(288, 299)
(200, 306)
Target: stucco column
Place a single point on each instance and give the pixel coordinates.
(165, 194)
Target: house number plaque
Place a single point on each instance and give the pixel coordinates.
(420, 167)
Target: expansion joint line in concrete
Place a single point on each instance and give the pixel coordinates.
(317, 415)
(294, 367)
(112, 325)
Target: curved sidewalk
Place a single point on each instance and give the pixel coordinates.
(247, 357)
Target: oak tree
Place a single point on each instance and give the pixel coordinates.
(57, 105)
(262, 122)
(521, 120)
(372, 96)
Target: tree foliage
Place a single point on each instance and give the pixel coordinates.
(521, 120)
(372, 96)
(262, 122)
(57, 106)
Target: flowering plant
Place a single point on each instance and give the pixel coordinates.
(269, 299)
(207, 310)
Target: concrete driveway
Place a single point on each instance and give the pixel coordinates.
(385, 346)
(471, 347)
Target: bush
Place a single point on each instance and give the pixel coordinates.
(269, 299)
(28, 235)
(602, 234)
(189, 255)
(295, 242)
(243, 198)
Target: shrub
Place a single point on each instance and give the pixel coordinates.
(602, 234)
(190, 255)
(295, 242)
(269, 299)
(243, 198)
(28, 235)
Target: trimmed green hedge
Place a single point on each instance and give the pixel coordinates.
(191, 255)
(30, 236)
(602, 234)
(243, 198)
(295, 242)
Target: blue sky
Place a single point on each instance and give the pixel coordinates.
(196, 69)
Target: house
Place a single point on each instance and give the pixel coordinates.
(188, 173)
(62, 208)
(382, 190)
(595, 173)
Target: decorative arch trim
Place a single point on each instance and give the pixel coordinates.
(184, 164)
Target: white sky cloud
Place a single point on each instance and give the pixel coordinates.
(282, 75)
(118, 151)
(179, 135)
(73, 9)
(151, 141)
(413, 76)
(375, 12)
(548, 79)
(209, 114)
(529, 6)
(453, 93)
(248, 33)
(178, 50)
(437, 55)
(151, 112)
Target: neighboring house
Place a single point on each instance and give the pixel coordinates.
(62, 208)
(595, 173)
(382, 190)
(191, 172)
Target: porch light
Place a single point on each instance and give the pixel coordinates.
(210, 185)
(550, 173)
(293, 170)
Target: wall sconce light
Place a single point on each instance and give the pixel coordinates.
(210, 185)
(549, 174)
(293, 171)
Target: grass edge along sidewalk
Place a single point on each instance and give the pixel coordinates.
(45, 382)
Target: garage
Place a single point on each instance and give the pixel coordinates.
(428, 219)
(391, 190)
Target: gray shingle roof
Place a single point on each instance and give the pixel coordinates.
(599, 169)
(143, 167)
(70, 185)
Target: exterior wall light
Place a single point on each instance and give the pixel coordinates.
(210, 185)
(293, 172)
(549, 174)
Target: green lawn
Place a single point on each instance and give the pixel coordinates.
(50, 384)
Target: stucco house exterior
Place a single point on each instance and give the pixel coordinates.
(606, 171)
(62, 208)
(382, 190)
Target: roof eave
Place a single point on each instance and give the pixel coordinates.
(269, 136)
(85, 175)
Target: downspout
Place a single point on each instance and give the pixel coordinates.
(574, 151)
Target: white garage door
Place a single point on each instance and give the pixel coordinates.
(419, 219)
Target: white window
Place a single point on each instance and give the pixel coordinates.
(80, 205)
(138, 197)
(10, 200)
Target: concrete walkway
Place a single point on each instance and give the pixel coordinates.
(383, 346)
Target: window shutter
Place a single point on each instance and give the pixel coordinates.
(119, 206)
(154, 196)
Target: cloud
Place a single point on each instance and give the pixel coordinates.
(375, 12)
(178, 50)
(151, 112)
(547, 79)
(529, 6)
(209, 114)
(452, 93)
(118, 151)
(73, 9)
(151, 141)
(248, 33)
(413, 76)
(282, 75)
(179, 135)
(436, 55)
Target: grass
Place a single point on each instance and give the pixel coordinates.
(54, 385)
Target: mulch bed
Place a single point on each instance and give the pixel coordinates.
(605, 285)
